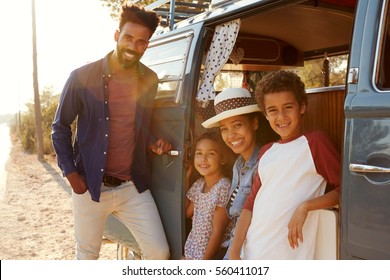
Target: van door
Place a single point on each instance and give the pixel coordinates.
(171, 57)
(365, 199)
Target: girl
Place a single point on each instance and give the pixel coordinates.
(206, 199)
(238, 118)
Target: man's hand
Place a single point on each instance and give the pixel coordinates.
(77, 182)
(161, 146)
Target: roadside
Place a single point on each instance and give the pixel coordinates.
(4, 155)
(36, 211)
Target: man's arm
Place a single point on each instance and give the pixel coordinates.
(61, 128)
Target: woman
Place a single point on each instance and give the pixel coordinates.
(238, 118)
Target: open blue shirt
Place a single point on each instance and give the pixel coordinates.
(85, 97)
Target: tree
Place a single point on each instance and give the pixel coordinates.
(28, 129)
(311, 73)
(115, 5)
(37, 103)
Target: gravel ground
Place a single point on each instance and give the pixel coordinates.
(36, 211)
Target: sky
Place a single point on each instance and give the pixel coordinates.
(70, 33)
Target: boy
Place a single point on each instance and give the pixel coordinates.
(278, 221)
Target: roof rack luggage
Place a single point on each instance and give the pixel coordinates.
(173, 11)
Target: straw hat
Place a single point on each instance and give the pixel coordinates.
(231, 102)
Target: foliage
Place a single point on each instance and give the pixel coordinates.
(27, 129)
(115, 5)
(311, 73)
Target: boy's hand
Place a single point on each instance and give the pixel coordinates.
(295, 226)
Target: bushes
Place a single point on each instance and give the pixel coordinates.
(27, 129)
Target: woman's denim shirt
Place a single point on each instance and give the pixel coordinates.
(243, 173)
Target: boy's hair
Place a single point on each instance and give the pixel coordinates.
(280, 81)
(135, 14)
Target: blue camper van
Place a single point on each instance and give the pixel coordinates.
(352, 36)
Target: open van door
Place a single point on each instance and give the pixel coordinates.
(365, 200)
(171, 56)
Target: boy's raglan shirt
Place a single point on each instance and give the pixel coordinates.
(288, 174)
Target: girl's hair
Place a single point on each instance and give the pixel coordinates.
(211, 135)
(135, 14)
(280, 81)
(228, 156)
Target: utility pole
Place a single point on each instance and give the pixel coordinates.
(37, 102)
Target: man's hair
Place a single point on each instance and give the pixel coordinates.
(135, 14)
(280, 81)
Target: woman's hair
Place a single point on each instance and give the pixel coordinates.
(280, 81)
(135, 14)
(264, 133)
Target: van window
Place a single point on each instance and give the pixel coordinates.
(168, 58)
(382, 77)
(313, 71)
(312, 74)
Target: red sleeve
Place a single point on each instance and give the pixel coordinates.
(326, 158)
(252, 195)
(256, 181)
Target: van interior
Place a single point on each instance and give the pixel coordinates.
(303, 34)
(289, 38)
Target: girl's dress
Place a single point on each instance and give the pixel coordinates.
(202, 220)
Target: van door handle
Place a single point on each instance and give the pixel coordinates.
(173, 152)
(363, 168)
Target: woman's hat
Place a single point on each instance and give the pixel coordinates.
(231, 102)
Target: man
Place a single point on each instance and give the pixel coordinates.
(108, 167)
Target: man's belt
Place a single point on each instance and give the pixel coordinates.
(110, 181)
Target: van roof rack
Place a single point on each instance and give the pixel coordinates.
(174, 11)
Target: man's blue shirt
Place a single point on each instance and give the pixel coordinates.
(85, 98)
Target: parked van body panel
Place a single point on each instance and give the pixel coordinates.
(171, 120)
(365, 207)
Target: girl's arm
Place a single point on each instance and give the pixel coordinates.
(189, 208)
(189, 203)
(299, 217)
(243, 224)
(220, 223)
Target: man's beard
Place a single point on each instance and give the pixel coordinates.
(125, 62)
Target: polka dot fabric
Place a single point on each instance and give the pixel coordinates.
(225, 36)
(232, 103)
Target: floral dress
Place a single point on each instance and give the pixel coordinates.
(202, 221)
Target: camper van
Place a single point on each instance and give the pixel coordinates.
(341, 48)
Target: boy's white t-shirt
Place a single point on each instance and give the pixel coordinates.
(290, 173)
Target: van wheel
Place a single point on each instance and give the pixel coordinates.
(124, 253)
